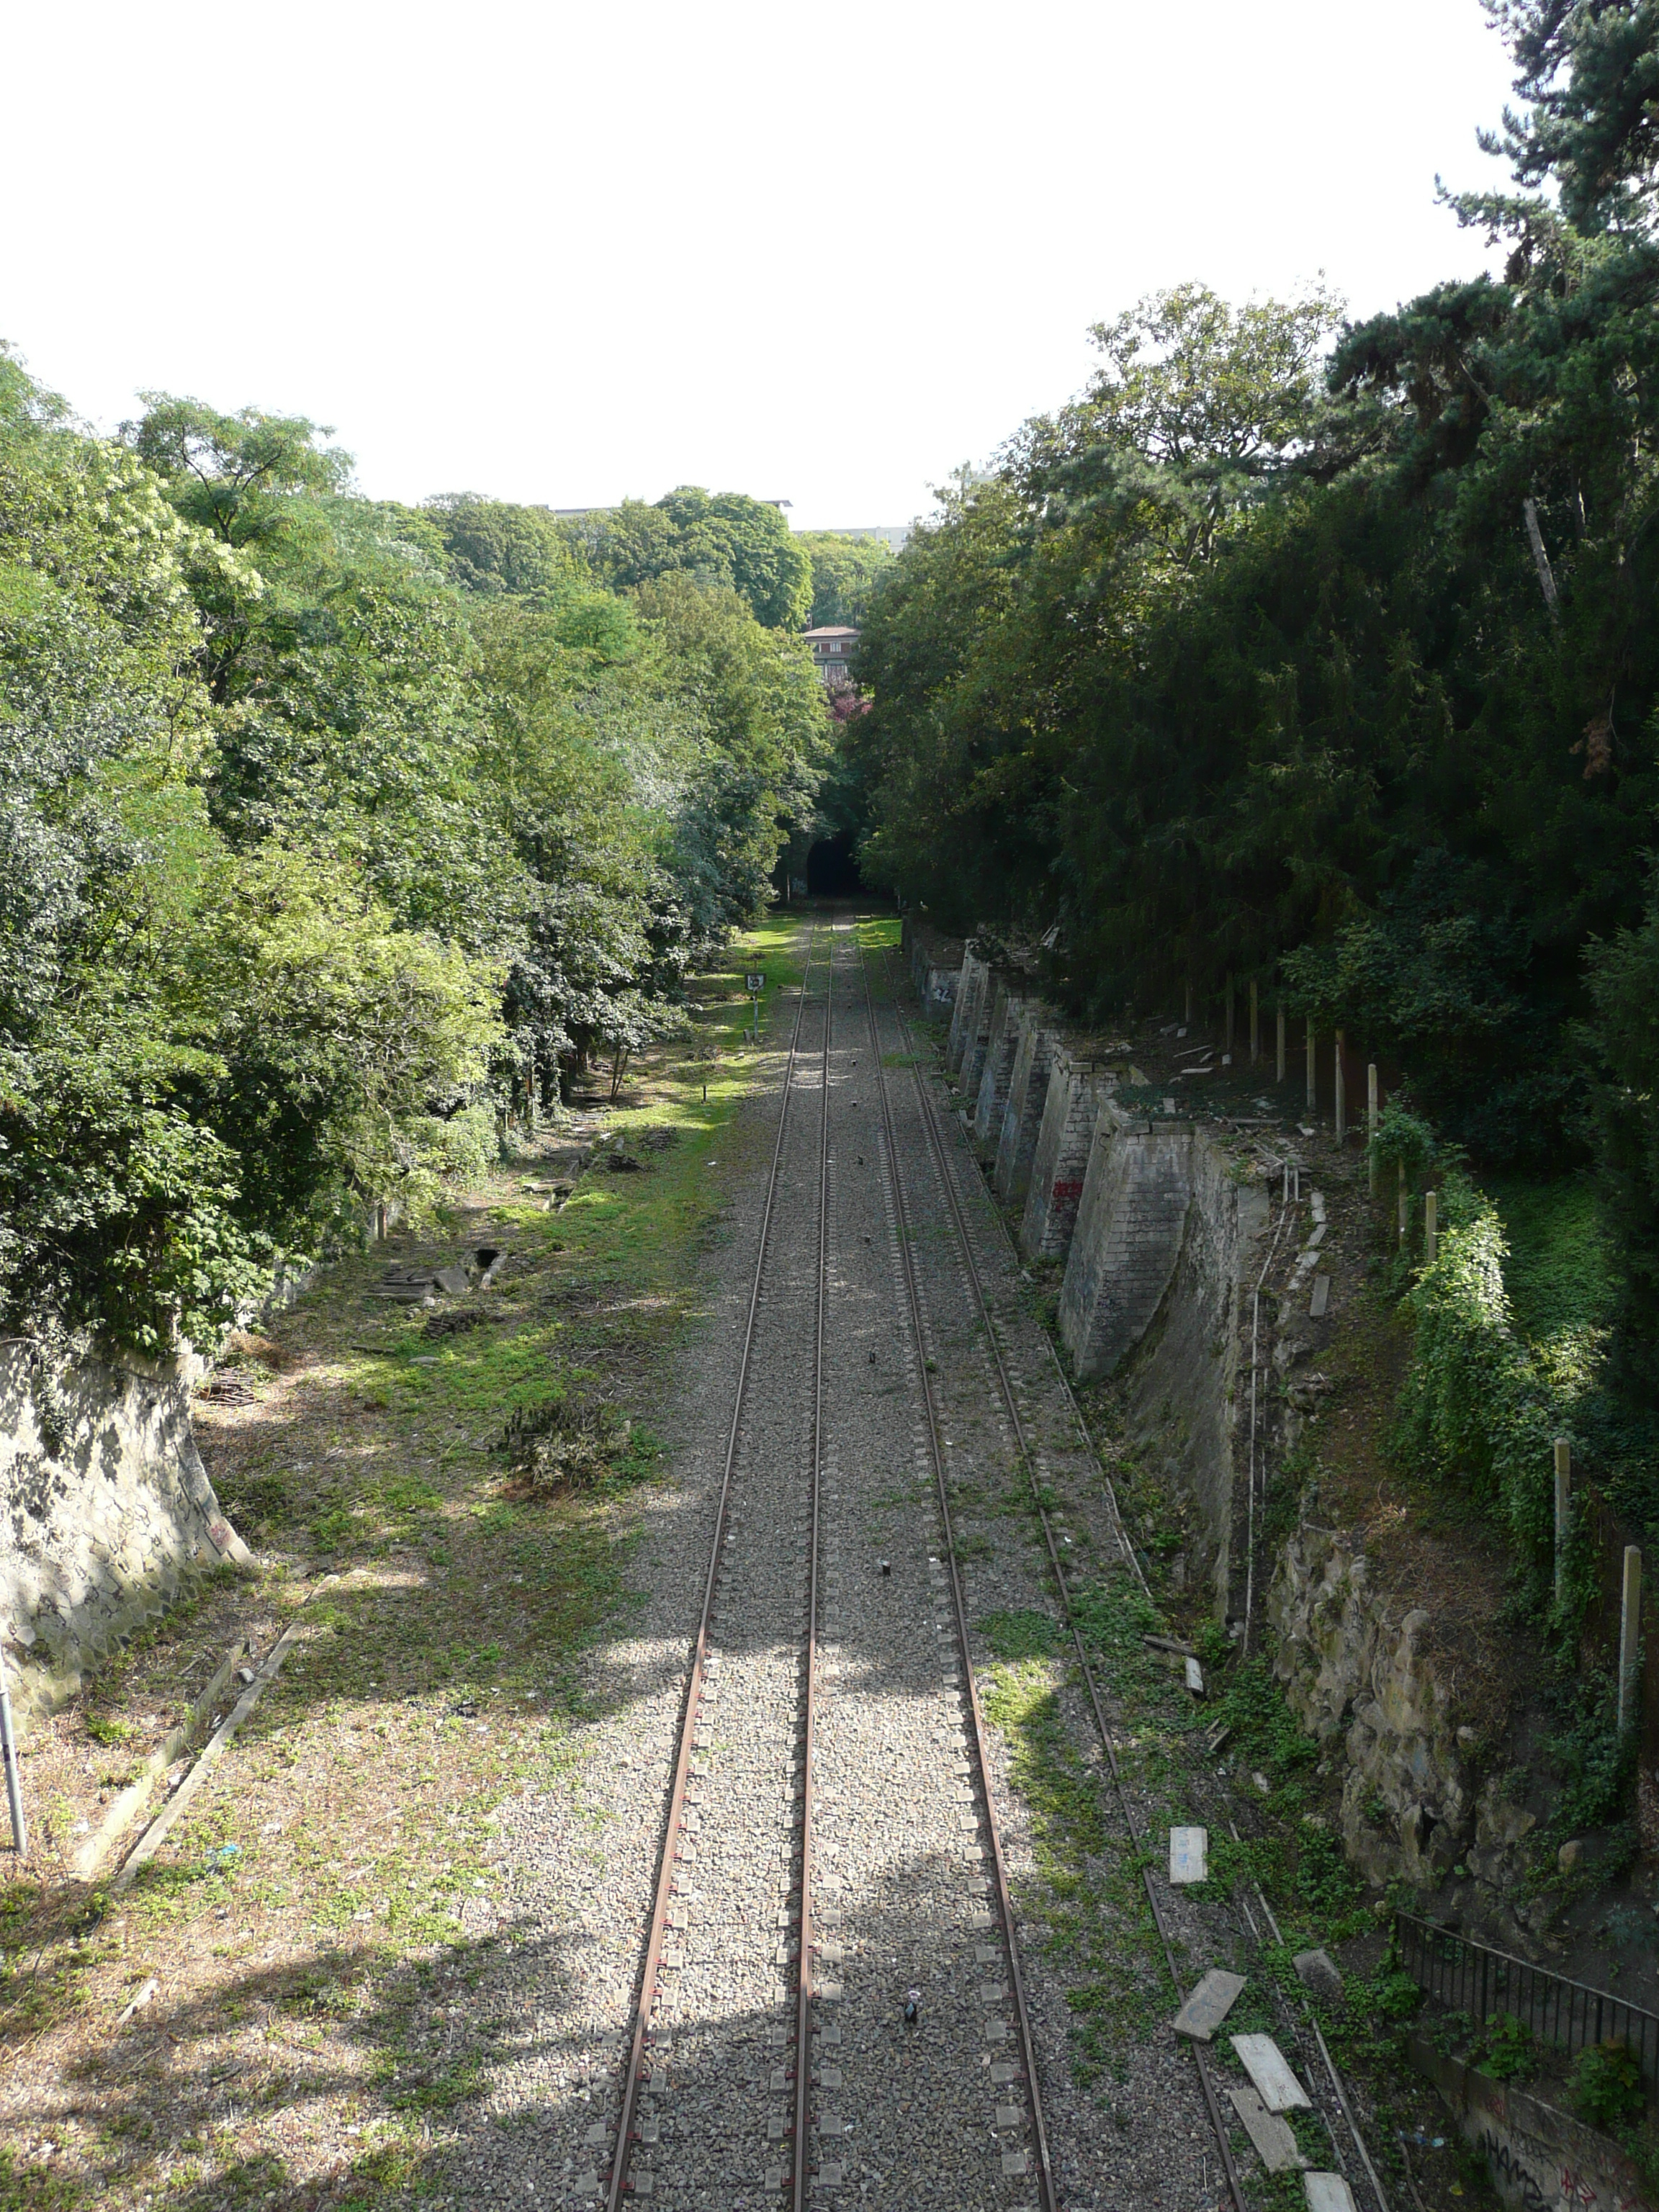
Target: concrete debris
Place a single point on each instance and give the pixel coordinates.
(1318, 1972)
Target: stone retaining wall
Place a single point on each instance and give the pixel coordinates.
(108, 1511)
(1538, 2157)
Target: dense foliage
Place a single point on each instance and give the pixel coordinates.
(334, 832)
(1326, 657)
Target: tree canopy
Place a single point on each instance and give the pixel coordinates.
(1321, 653)
(338, 833)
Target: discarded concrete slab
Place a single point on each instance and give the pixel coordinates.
(1189, 1854)
(1265, 2062)
(1272, 2139)
(1328, 2192)
(1208, 2005)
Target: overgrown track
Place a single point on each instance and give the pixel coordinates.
(833, 1620)
(1331, 2097)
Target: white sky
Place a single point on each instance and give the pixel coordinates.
(566, 252)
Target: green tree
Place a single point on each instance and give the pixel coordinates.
(723, 540)
(846, 573)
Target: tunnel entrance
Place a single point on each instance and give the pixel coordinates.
(831, 870)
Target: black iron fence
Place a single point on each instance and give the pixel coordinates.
(1470, 1978)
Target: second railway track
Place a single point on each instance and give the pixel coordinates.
(832, 2006)
(829, 2002)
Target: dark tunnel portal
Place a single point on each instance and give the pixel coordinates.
(831, 870)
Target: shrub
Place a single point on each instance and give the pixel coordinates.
(1606, 2085)
(1510, 2054)
(566, 1443)
(1475, 1405)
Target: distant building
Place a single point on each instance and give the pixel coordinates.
(832, 654)
(895, 533)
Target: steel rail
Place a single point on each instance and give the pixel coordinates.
(1088, 1673)
(1011, 1404)
(660, 1911)
(804, 1980)
(1004, 1901)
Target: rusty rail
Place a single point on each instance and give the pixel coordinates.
(660, 1906)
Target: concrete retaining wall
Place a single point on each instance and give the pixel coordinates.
(935, 965)
(965, 1014)
(1060, 1157)
(107, 1509)
(1028, 1090)
(1537, 2156)
(1131, 1220)
(1001, 1044)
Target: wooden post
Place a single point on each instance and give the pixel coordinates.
(1404, 1205)
(1371, 1112)
(1227, 1047)
(1187, 1018)
(1313, 1081)
(1630, 1635)
(1279, 1068)
(1255, 1025)
(1341, 1095)
(1563, 1509)
(1430, 1227)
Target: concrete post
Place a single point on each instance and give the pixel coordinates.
(1430, 1227)
(1630, 1635)
(1279, 1067)
(1371, 1112)
(1255, 1023)
(1341, 1095)
(1313, 1083)
(1229, 1028)
(1563, 1509)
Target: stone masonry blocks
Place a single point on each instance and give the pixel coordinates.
(1002, 1042)
(977, 1037)
(1060, 1157)
(964, 1018)
(102, 1522)
(1028, 1089)
(1130, 1222)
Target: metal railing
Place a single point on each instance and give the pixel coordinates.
(1471, 1977)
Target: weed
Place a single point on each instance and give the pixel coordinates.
(1605, 2085)
(566, 1443)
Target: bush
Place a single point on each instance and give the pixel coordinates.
(1605, 2085)
(566, 1443)
(1475, 1405)
(1509, 2053)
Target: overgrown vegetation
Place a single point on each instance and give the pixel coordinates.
(339, 834)
(1314, 650)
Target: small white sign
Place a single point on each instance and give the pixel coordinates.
(1189, 1854)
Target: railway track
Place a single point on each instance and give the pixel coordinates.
(830, 1997)
(832, 2005)
(1255, 1925)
